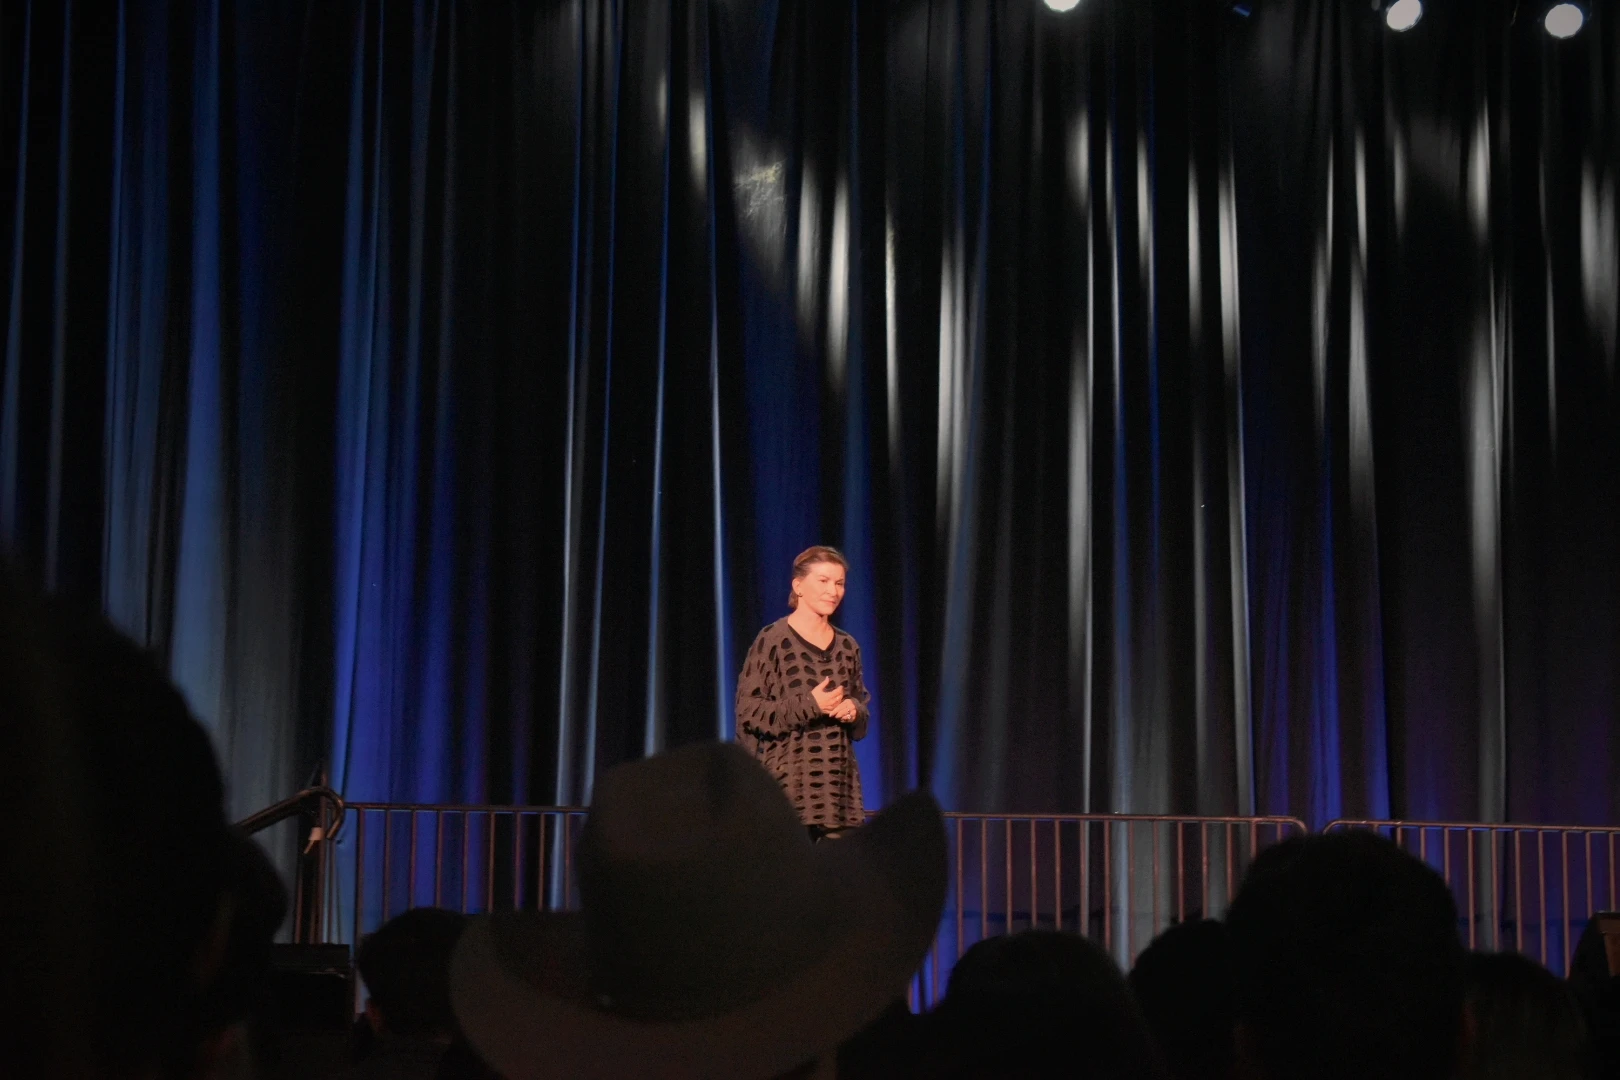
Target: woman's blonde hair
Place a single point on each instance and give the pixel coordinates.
(810, 557)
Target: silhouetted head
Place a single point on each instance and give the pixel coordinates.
(1525, 1022)
(884, 1048)
(171, 913)
(406, 968)
(1348, 963)
(1598, 992)
(1183, 982)
(1041, 1004)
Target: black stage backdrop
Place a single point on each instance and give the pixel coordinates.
(1220, 413)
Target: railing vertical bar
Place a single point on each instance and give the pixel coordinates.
(410, 883)
(568, 861)
(1034, 905)
(1130, 887)
(1541, 867)
(1181, 872)
(1588, 876)
(517, 859)
(1108, 887)
(322, 852)
(333, 915)
(1007, 847)
(1563, 892)
(438, 858)
(489, 866)
(983, 880)
(1590, 909)
(1153, 828)
(1496, 888)
(1203, 876)
(1083, 908)
(387, 867)
(1057, 872)
(1231, 872)
(466, 855)
(542, 896)
(1473, 913)
(1518, 893)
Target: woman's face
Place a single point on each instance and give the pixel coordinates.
(822, 588)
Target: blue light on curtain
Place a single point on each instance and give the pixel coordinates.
(407, 723)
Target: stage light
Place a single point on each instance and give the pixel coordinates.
(1564, 20)
(1062, 5)
(1402, 15)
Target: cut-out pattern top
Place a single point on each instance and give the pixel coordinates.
(811, 755)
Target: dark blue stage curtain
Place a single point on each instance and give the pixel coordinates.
(1219, 414)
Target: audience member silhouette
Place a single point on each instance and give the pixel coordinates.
(405, 966)
(1597, 989)
(1525, 1023)
(461, 1062)
(1348, 963)
(149, 921)
(714, 941)
(1040, 1004)
(1183, 982)
(886, 1049)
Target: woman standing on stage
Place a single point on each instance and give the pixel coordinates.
(801, 703)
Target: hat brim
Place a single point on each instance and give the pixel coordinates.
(520, 981)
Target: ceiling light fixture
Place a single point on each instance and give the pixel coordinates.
(1402, 15)
(1564, 20)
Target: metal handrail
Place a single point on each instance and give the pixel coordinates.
(949, 815)
(313, 895)
(1208, 819)
(1471, 826)
(294, 805)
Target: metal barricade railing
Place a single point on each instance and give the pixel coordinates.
(1525, 888)
(1119, 879)
(474, 859)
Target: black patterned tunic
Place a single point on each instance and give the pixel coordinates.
(811, 754)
